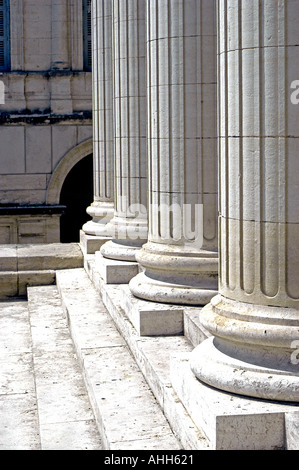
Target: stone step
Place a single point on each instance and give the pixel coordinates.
(19, 428)
(215, 419)
(43, 400)
(128, 414)
(29, 265)
(153, 355)
(66, 419)
(193, 330)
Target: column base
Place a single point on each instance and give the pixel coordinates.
(176, 275)
(229, 421)
(143, 287)
(215, 368)
(128, 235)
(95, 229)
(120, 250)
(250, 352)
(101, 213)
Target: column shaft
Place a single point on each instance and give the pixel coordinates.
(129, 225)
(102, 208)
(180, 258)
(255, 319)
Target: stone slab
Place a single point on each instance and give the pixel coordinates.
(90, 244)
(49, 256)
(30, 265)
(115, 272)
(34, 278)
(18, 408)
(66, 419)
(19, 422)
(193, 330)
(292, 430)
(16, 374)
(152, 355)
(230, 422)
(8, 284)
(15, 284)
(126, 406)
(15, 337)
(151, 318)
(126, 410)
(8, 258)
(76, 435)
(18, 411)
(90, 325)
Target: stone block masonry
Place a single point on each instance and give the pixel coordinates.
(28, 265)
(46, 111)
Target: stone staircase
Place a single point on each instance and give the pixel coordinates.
(76, 374)
(68, 379)
(44, 404)
(133, 370)
(128, 414)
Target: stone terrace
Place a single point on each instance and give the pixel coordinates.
(76, 374)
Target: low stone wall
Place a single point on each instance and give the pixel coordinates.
(31, 265)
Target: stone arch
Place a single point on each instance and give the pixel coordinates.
(63, 168)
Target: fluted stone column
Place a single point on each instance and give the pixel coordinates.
(180, 260)
(255, 318)
(129, 224)
(102, 208)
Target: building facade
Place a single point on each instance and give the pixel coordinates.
(45, 115)
(194, 207)
(216, 81)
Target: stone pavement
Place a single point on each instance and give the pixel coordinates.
(67, 378)
(43, 399)
(73, 376)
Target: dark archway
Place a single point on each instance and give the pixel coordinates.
(76, 194)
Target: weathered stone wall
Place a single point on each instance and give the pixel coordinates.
(46, 113)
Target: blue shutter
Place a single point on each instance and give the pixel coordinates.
(87, 45)
(4, 36)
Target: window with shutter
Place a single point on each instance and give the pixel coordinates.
(4, 36)
(87, 34)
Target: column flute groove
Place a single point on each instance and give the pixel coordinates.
(254, 320)
(102, 208)
(129, 225)
(180, 260)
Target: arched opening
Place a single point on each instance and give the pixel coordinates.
(76, 194)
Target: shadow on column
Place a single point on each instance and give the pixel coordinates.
(76, 194)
